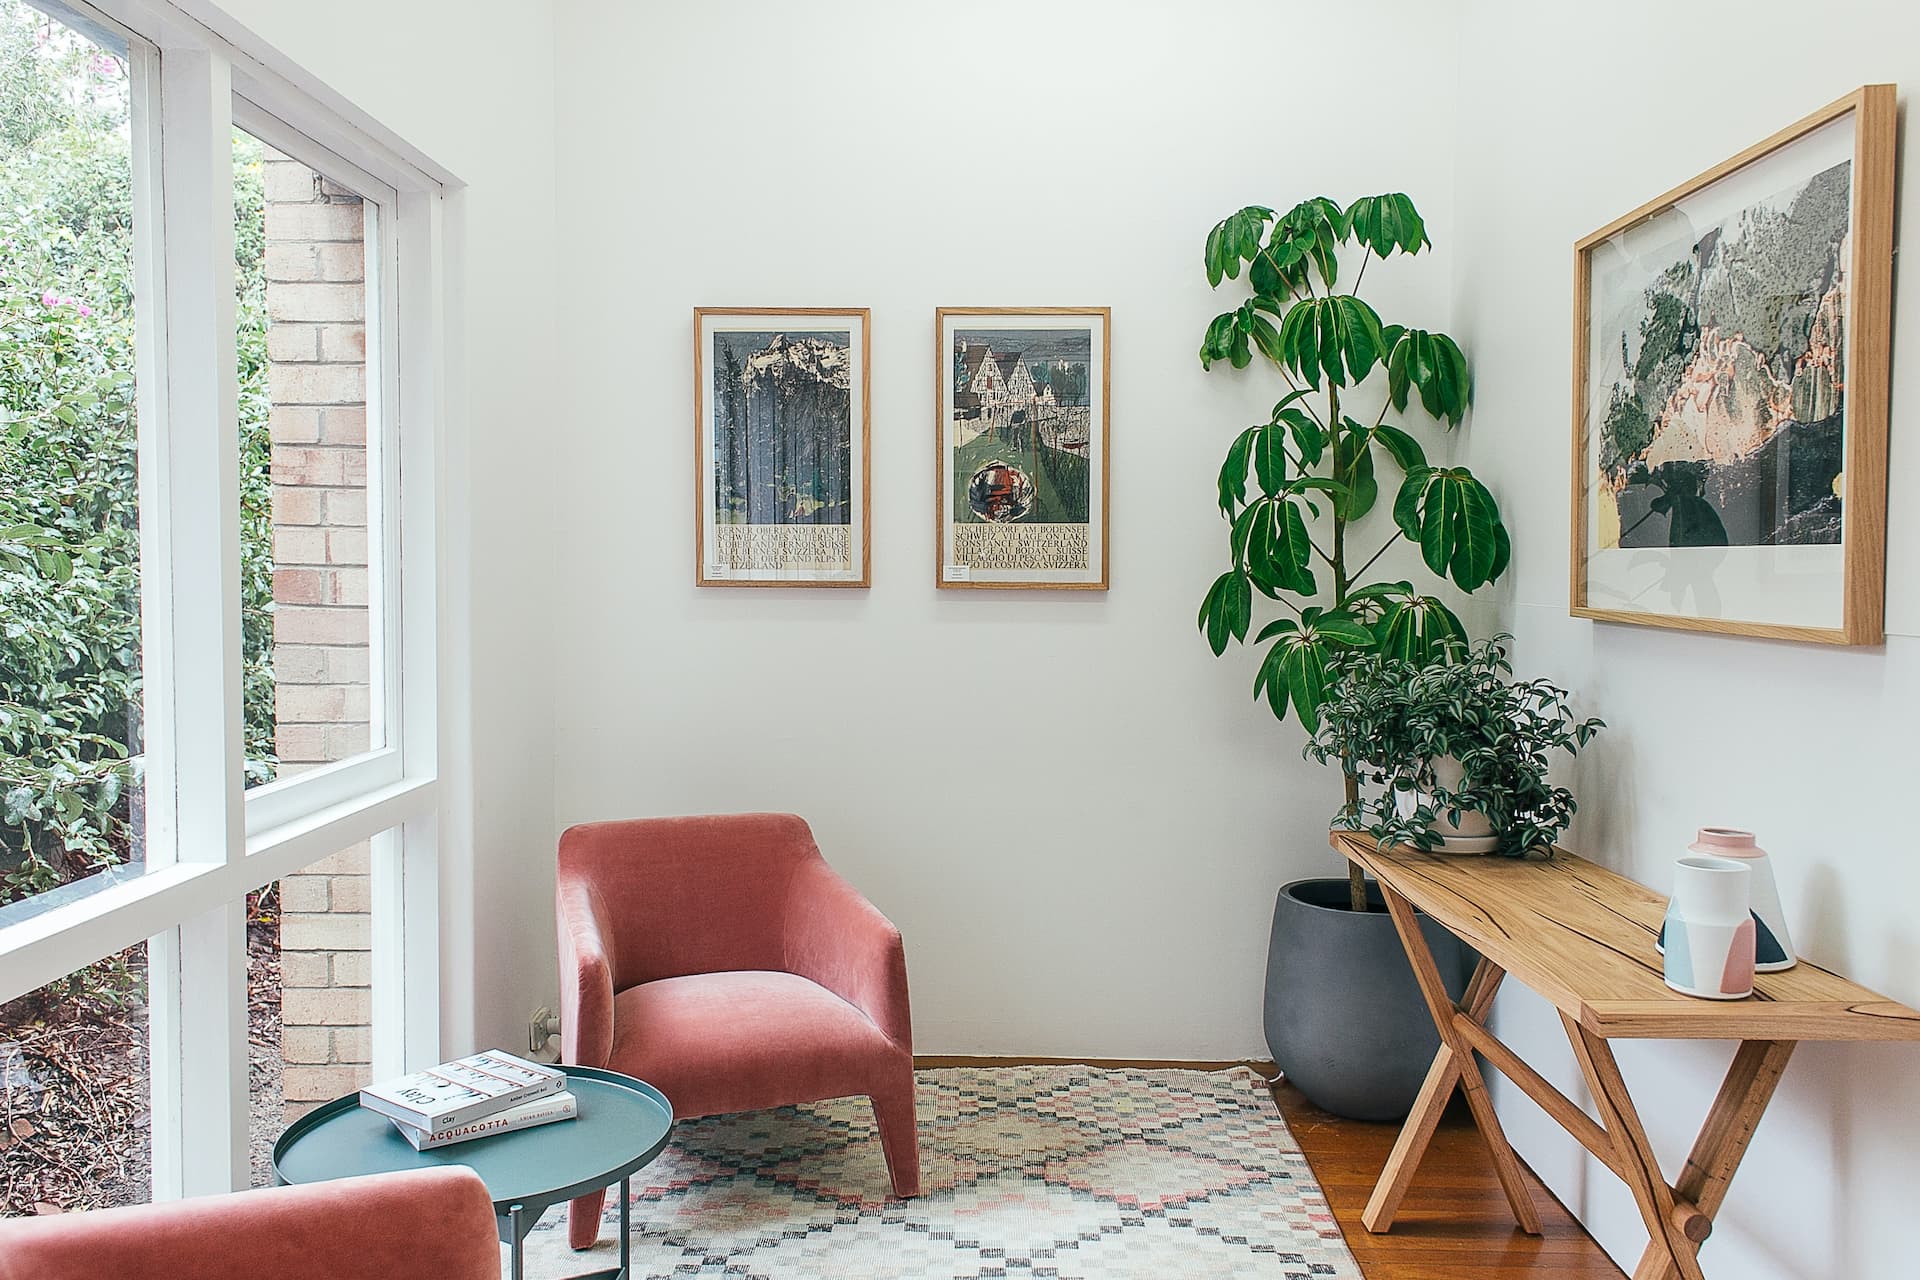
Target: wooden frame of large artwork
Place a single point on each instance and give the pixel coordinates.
(1862, 486)
(709, 569)
(950, 573)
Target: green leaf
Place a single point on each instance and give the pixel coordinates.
(1433, 365)
(1388, 222)
(1474, 550)
(1270, 458)
(1343, 628)
(1227, 611)
(1218, 340)
(1338, 336)
(1406, 505)
(1308, 436)
(1233, 239)
(1233, 472)
(1404, 449)
(1438, 518)
(1278, 548)
(1353, 467)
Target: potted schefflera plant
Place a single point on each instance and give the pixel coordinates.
(1451, 755)
(1313, 498)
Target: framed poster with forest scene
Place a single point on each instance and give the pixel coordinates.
(780, 422)
(1731, 376)
(1020, 493)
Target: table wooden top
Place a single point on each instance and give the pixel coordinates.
(1583, 937)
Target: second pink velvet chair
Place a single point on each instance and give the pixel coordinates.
(722, 960)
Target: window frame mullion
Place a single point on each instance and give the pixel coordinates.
(198, 969)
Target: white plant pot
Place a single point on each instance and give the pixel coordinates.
(1709, 929)
(1472, 834)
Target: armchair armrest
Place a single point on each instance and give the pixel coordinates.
(586, 976)
(836, 938)
(436, 1222)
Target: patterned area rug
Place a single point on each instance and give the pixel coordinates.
(1067, 1172)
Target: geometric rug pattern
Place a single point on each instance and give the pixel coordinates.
(1070, 1173)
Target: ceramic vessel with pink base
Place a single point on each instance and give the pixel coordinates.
(1710, 929)
(1772, 945)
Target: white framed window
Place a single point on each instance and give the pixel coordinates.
(273, 716)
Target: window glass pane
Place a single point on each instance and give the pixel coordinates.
(312, 683)
(70, 673)
(75, 1095)
(310, 1005)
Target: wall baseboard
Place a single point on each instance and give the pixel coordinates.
(1263, 1067)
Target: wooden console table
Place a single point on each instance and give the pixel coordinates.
(1583, 937)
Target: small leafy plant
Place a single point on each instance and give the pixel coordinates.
(1298, 490)
(1399, 717)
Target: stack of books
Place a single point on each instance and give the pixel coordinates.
(488, 1093)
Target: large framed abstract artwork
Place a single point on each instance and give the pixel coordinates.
(1731, 372)
(780, 418)
(1020, 446)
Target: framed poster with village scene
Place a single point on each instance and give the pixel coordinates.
(1021, 447)
(780, 419)
(1731, 374)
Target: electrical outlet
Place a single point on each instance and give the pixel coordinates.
(542, 1026)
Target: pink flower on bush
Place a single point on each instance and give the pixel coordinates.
(51, 299)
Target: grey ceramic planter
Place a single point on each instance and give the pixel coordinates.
(1344, 1016)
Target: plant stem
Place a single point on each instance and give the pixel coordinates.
(1361, 572)
(1356, 878)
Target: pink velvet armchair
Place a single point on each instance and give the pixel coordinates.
(427, 1224)
(721, 960)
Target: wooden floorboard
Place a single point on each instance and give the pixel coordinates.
(1455, 1224)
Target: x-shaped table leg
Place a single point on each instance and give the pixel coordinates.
(1453, 1066)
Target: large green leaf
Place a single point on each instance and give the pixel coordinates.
(1233, 240)
(1227, 611)
(1233, 471)
(1338, 336)
(1353, 468)
(1403, 448)
(1294, 670)
(1457, 524)
(1433, 365)
(1309, 437)
(1278, 549)
(1270, 458)
(1407, 625)
(1475, 549)
(1218, 341)
(1388, 222)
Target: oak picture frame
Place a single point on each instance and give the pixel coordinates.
(1866, 378)
(856, 322)
(950, 574)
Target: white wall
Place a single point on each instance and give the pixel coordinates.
(1570, 118)
(470, 84)
(1099, 880)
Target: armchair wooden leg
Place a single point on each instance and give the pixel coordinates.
(893, 1113)
(583, 1219)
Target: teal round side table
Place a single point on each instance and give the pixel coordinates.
(623, 1124)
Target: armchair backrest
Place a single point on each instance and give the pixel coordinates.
(424, 1222)
(679, 896)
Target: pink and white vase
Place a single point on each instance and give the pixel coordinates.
(1710, 928)
(1772, 945)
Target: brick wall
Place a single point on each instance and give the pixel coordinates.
(316, 342)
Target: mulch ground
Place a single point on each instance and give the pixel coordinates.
(76, 1121)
